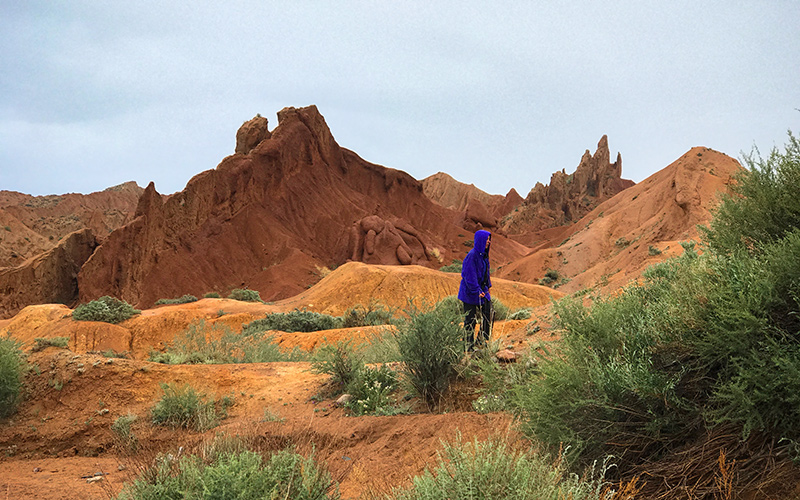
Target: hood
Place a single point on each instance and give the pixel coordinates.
(480, 240)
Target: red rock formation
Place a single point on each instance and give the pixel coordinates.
(48, 278)
(36, 224)
(266, 219)
(569, 197)
(377, 241)
(448, 192)
(251, 133)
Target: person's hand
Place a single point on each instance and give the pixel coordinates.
(483, 295)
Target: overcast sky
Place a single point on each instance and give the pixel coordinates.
(496, 93)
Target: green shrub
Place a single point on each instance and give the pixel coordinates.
(652, 251)
(242, 475)
(218, 344)
(340, 361)
(764, 206)
(111, 353)
(182, 406)
(492, 470)
(380, 347)
(293, 321)
(550, 276)
(454, 267)
(42, 343)
(430, 344)
(245, 295)
(488, 403)
(370, 392)
(184, 299)
(106, 309)
(212, 295)
(123, 432)
(373, 315)
(499, 310)
(522, 313)
(12, 370)
(450, 307)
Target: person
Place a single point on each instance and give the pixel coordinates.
(474, 290)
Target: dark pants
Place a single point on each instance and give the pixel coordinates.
(471, 312)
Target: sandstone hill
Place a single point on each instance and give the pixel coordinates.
(30, 225)
(615, 242)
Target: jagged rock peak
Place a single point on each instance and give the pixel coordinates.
(569, 197)
(149, 199)
(251, 133)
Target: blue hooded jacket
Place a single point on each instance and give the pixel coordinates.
(475, 272)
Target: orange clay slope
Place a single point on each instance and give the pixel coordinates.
(354, 283)
(640, 226)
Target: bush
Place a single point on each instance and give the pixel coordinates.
(212, 295)
(218, 344)
(652, 251)
(491, 470)
(122, 430)
(551, 276)
(12, 370)
(764, 206)
(106, 309)
(183, 407)
(245, 295)
(293, 321)
(430, 343)
(373, 315)
(241, 475)
(522, 313)
(450, 307)
(370, 392)
(339, 361)
(380, 347)
(500, 311)
(454, 267)
(42, 343)
(184, 299)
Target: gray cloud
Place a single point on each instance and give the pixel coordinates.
(500, 94)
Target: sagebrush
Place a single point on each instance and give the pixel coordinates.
(12, 371)
(107, 309)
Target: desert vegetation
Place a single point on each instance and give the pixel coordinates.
(12, 370)
(182, 406)
(183, 299)
(227, 469)
(217, 343)
(106, 309)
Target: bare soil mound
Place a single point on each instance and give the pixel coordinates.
(355, 283)
(398, 287)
